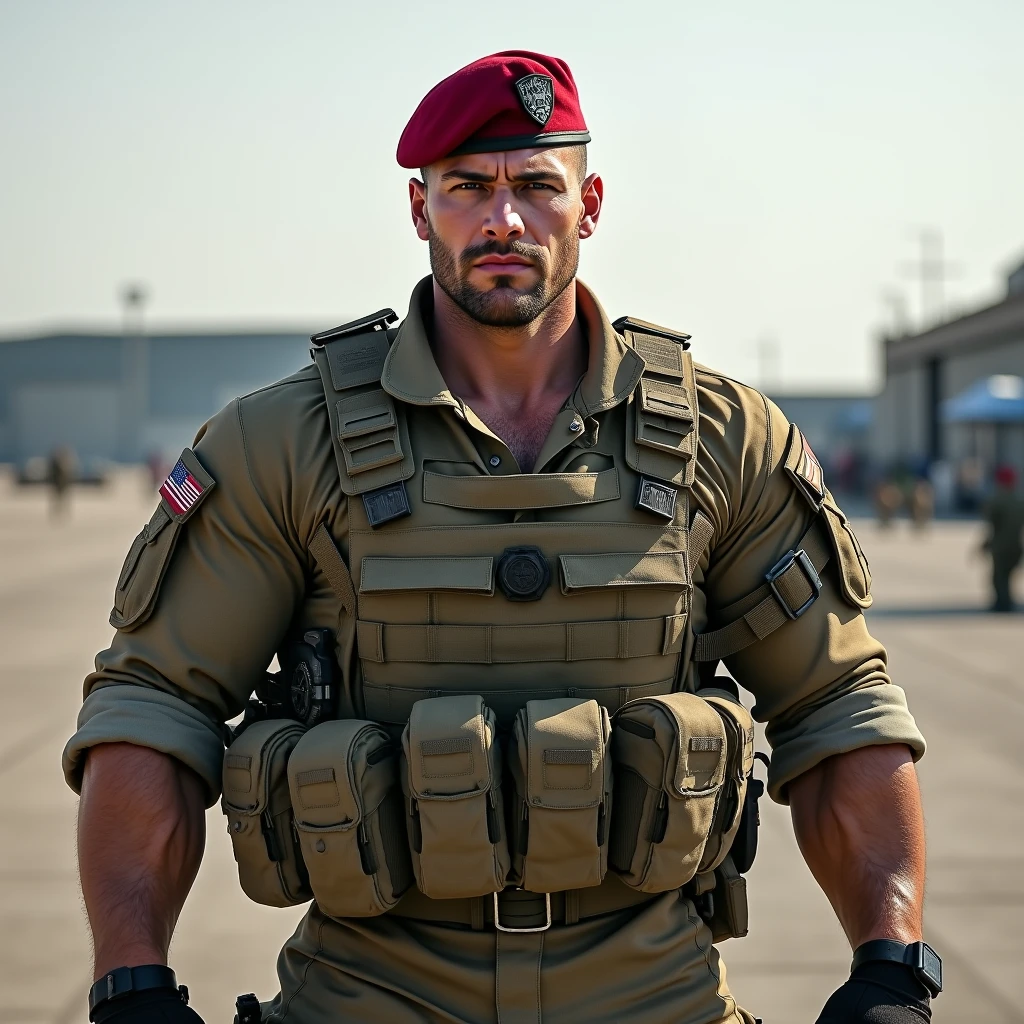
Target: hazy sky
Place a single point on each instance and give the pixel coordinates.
(765, 164)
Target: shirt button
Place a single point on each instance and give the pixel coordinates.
(575, 426)
(495, 460)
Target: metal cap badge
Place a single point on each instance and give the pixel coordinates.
(537, 94)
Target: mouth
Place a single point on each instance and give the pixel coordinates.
(498, 264)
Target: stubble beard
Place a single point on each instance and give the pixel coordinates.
(503, 305)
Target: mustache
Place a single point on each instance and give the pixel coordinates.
(535, 253)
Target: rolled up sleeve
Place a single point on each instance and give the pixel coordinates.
(224, 602)
(819, 681)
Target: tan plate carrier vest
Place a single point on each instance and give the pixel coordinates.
(612, 623)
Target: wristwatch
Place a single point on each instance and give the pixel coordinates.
(922, 960)
(122, 981)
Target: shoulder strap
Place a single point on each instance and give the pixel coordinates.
(662, 435)
(790, 588)
(369, 433)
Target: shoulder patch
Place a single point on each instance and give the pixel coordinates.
(803, 466)
(186, 486)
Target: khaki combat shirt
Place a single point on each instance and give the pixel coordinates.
(241, 577)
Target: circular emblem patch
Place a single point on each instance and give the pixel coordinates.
(537, 95)
(523, 574)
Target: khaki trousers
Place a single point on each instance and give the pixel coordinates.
(652, 964)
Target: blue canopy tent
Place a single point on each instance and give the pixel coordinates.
(992, 409)
(995, 399)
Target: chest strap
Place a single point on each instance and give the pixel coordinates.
(790, 588)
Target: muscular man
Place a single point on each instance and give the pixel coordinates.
(497, 525)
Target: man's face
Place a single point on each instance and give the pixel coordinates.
(504, 229)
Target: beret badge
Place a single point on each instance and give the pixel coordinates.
(537, 95)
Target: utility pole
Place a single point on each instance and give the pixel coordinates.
(932, 271)
(134, 370)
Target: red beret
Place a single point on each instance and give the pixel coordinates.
(510, 100)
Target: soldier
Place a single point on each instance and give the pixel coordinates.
(1004, 514)
(500, 552)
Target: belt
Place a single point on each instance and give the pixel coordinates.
(519, 910)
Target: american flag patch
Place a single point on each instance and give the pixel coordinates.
(809, 469)
(182, 490)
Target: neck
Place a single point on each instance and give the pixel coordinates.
(513, 367)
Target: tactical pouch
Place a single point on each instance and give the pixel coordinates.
(729, 914)
(671, 756)
(258, 808)
(343, 778)
(739, 732)
(451, 777)
(562, 770)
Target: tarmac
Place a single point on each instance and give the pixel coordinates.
(961, 668)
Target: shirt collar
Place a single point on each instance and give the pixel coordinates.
(613, 368)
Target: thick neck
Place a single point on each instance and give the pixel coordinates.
(512, 367)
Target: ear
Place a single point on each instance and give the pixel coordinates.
(418, 208)
(592, 197)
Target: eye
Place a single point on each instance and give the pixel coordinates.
(540, 185)
(467, 185)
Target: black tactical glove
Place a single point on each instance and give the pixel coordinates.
(879, 993)
(152, 1006)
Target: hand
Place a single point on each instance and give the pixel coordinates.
(152, 1006)
(878, 993)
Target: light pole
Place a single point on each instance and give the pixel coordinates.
(134, 370)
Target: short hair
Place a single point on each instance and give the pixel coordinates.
(575, 156)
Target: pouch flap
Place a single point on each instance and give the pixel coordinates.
(623, 569)
(854, 571)
(471, 573)
(143, 571)
(357, 359)
(697, 752)
(253, 759)
(566, 740)
(446, 745)
(326, 768)
(520, 490)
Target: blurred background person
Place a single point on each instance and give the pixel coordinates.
(1004, 514)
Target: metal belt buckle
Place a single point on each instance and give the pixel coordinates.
(781, 567)
(541, 928)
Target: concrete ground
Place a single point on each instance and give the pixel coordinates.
(961, 668)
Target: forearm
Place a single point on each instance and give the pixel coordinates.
(141, 833)
(858, 821)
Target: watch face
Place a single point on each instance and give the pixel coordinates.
(931, 966)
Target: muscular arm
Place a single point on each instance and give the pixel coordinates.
(858, 821)
(141, 833)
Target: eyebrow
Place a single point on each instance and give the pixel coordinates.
(467, 175)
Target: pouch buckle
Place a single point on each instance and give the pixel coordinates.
(508, 928)
(781, 567)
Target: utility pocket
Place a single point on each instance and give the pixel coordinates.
(143, 571)
(259, 812)
(563, 794)
(670, 755)
(739, 733)
(451, 778)
(854, 572)
(343, 778)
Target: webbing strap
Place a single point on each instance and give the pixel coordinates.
(502, 645)
(700, 536)
(518, 958)
(768, 613)
(328, 557)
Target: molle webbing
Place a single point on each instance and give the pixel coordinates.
(765, 612)
(496, 644)
(370, 436)
(663, 435)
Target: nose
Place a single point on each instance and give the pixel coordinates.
(504, 226)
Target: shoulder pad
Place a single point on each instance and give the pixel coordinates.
(378, 321)
(629, 323)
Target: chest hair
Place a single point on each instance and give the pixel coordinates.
(524, 435)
